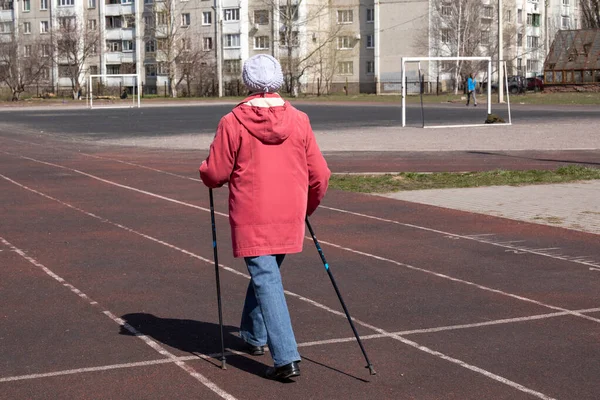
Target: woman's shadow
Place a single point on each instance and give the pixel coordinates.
(194, 337)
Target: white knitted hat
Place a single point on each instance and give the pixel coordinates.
(262, 74)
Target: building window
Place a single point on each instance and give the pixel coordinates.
(66, 3)
(114, 22)
(565, 2)
(66, 23)
(445, 35)
(294, 40)
(64, 71)
(520, 16)
(93, 70)
(128, 45)
(446, 10)
(533, 42)
(232, 41)
(161, 44)
(370, 15)
(508, 16)
(186, 44)
(151, 70)
(92, 25)
(26, 5)
(344, 42)
(6, 27)
(370, 41)
(185, 19)
(161, 18)
(207, 43)
(43, 4)
(565, 22)
(91, 3)
(27, 50)
(45, 73)
(261, 17)
(485, 38)
(126, 1)
(519, 40)
(231, 14)
(113, 69)
(150, 46)
(261, 42)
(232, 66)
(26, 27)
(488, 12)
(93, 49)
(162, 68)
(345, 67)
(370, 67)
(113, 46)
(532, 65)
(345, 16)
(206, 18)
(45, 50)
(44, 26)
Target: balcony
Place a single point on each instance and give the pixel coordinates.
(120, 34)
(6, 15)
(119, 9)
(119, 58)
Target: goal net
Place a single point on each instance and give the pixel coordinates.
(482, 68)
(113, 91)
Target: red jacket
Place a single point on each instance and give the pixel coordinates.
(267, 151)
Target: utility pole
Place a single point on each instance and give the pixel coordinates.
(219, 45)
(500, 55)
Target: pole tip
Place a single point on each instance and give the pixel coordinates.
(223, 364)
(371, 369)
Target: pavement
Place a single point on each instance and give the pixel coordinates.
(108, 285)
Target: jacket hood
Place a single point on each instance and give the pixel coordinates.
(266, 116)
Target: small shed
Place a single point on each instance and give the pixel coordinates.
(574, 58)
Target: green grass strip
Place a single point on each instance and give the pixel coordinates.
(386, 183)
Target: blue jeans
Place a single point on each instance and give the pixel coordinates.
(265, 319)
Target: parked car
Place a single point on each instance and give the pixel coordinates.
(536, 84)
(516, 85)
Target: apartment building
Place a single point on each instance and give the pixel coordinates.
(194, 47)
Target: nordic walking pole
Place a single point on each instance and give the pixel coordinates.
(337, 291)
(216, 254)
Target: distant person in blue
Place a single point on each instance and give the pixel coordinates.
(471, 89)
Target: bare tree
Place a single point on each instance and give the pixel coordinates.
(170, 27)
(464, 28)
(192, 64)
(590, 13)
(319, 35)
(74, 43)
(23, 63)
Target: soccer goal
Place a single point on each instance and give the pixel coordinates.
(113, 91)
(418, 60)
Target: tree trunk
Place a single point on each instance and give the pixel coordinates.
(15, 95)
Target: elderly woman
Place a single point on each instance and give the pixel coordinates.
(266, 150)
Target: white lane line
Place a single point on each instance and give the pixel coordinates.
(415, 345)
(444, 276)
(229, 352)
(476, 238)
(150, 342)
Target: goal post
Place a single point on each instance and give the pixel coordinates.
(114, 91)
(418, 60)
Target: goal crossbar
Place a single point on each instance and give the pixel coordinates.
(407, 60)
(135, 95)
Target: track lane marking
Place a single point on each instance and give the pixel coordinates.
(477, 237)
(229, 352)
(397, 337)
(147, 340)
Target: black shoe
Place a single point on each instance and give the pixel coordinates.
(284, 372)
(255, 350)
